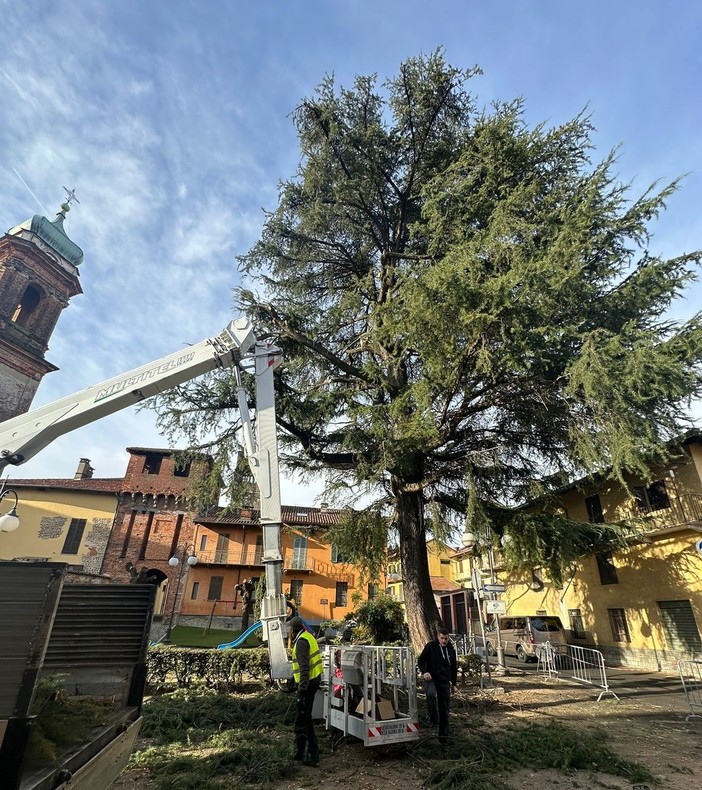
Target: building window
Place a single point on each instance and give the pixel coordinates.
(680, 626)
(74, 536)
(28, 304)
(296, 591)
(195, 591)
(152, 464)
(651, 498)
(222, 550)
(215, 591)
(182, 469)
(203, 542)
(607, 569)
(447, 620)
(299, 557)
(620, 629)
(258, 551)
(594, 509)
(342, 594)
(372, 591)
(337, 556)
(576, 623)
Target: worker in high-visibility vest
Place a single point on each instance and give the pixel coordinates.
(307, 673)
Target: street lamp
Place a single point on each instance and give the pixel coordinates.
(10, 521)
(186, 559)
(470, 541)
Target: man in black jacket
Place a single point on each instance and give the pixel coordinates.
(437, 663)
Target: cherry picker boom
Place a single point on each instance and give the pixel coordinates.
(236, 346)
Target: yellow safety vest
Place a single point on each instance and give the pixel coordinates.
(316, 667)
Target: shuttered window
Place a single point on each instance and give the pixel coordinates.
(342, 593)
(74, 536)
(296, 591)
(619, 625)
(680, 627)
(222, 550)
(215, 591)
(299, 557)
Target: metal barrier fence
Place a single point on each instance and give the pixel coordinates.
(691, 677)
(462, 643)
(572, 662)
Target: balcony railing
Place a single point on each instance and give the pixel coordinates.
(233, 554)
(313, 565)
(682, 510)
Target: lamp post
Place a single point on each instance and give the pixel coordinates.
(470, 541)
(10, 521)
(186, 559)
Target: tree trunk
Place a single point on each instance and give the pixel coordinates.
(420, 608)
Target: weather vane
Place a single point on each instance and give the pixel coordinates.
(71, 195)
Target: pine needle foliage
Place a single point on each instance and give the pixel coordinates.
(460, 296)
(200, 740)
(206, 740)
(488, 755)
(61, 721)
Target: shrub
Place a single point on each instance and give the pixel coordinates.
(218, 669)
(380, 621)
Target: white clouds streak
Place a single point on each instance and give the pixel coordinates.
(172, 122)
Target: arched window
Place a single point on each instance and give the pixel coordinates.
(28, 304)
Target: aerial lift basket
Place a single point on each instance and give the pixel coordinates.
(371, 693)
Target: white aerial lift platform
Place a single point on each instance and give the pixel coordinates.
(371, 693)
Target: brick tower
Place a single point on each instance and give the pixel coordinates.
(38, 276)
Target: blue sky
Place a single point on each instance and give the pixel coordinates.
(172, 122)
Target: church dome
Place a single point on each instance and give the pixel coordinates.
(53, 234)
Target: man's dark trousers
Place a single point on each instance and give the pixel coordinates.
(438, 699)
(304, 728)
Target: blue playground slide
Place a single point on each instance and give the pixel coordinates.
(243, 637)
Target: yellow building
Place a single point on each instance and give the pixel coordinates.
(441, 572)
(642, 605)
(62, 520)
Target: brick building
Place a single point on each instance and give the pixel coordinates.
(148, 516)
(154, 521)
(38, 276)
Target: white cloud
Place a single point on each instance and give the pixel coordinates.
(172, 123)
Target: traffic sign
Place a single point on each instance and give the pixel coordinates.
(496, 607)
(494, 588)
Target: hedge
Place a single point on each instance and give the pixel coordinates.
(220, 669)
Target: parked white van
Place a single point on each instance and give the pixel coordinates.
(521, 636)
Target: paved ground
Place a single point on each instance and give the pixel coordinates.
(664, 689)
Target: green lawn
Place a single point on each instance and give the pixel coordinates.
(187, 636)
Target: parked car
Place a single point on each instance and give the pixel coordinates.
(522, 636)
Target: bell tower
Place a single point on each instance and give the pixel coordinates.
(38, 276)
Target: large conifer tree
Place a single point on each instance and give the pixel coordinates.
(465, 304)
